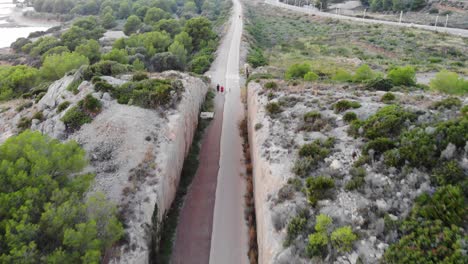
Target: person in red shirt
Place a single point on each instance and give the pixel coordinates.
(222, 89)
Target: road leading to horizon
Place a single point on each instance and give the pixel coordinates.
(453, 31)
(229, 242)
(211, 227)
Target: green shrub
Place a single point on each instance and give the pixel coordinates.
(295, 227)
(403, 76)
(91, 104)
(343, 238)
(418, 148)
(16, 80)
(104, 68)
(55, 66)
(447, 103)
(297, 71)
(452, 131)
(388, 97)
(103, 86)
(311, 76)
(63, 106)
(447, 205)
(75, 118)
(315, 150)
(39, 116)
(449, 82)
(47, 186)
(357, 179)
(344, 105)
(39, 97)
(273, 108)
(149, 93)
(379, 145)
(200, 63)
(302, 166)
(464, 111)
(449, 172)
(348, 117)
(386, 122)
(24, 123)
(364, 73)
(342, 75)
(96, 79)
(317, 245)
(73, 86)
(256, 58)
(317, 188)
(139, 76)
(392, 158)
(259, 76)
(312, 116)
(379, 84)
(431, 242)
(271, 85)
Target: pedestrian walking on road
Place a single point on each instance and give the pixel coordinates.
(217, 87)
(222, 89)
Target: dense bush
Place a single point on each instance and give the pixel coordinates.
(302, 166)
(343, 238)
(402, 76)
(344, 105)
(167, 61)
(45, 216)
(449, 82)
(149, 93)
(297, 71)
(315, 150)
(118, 55)
(16, 80)
(380, 84)
(317, 188)
(342, 75)
(449, 172)
(447, 103)
(75, 118)
(256, 58)
(348, 117)
(55, 66)
(139, 76)
(311, 76)
(63, 106)
(364, 73)
(273, 108)
(357, 179)
(379, 145)
(295, 227)
(386, 122)
(388, 97)
(312, 116)
(271, 85)
(104, 68)
(103, 86)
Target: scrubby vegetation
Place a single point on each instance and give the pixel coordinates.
(164, 35)
(82, 113)
(43, 180)
(344, 105)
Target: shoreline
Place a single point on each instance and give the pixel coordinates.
(17, 19)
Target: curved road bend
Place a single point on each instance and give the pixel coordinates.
(453, 31)
(211, 226)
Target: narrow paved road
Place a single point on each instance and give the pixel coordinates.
(453, 31)
(211, 226)
(229, 239)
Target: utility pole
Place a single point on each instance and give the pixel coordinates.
(401, 15)
(446, 20)
(437, 19)
(364, 16)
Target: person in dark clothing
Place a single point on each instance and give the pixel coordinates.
(217, 88)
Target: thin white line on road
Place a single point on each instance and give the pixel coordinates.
(232, 77)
